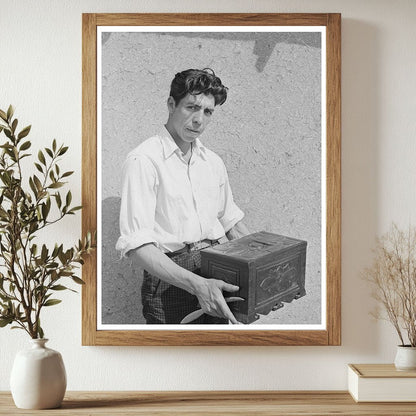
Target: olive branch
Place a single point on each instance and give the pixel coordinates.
(30, 273)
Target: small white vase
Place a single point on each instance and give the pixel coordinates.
(405, 358)
(38, 377)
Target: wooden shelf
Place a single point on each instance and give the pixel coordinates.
(178, 403)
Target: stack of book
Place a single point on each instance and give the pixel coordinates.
(381, 383)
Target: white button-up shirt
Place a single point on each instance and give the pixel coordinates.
(168, 202)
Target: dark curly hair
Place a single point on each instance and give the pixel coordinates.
(197, 81)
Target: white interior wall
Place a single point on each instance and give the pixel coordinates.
(40, 73)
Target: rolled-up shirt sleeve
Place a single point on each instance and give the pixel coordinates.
(138, 204)
(229, 214)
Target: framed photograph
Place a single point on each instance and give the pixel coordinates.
(272, 154)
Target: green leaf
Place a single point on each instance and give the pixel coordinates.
(67, 174)
(45, 211)
(55, 250)
(33, 187)
(41, 157)
(40, 332)
(37, 182)
(58, 199)
(59, 287)
(56, 185)
(72, 211)
(49, 152)
(44, 253)
(25, 145)
(24, 132)
(5, 321)
(39, 213)
(3, 115)
(54, 145)
(10, 112)
(34, 226)
(39, 167)
(5, 145)
(68, 199)
(76, 279)
(8, 133)
(51, 302)
(5, 178)
(14, 125)
(62, 257)
(60, 249)
(63, 150)
(42, 194)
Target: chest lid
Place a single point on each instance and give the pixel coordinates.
(255, 246)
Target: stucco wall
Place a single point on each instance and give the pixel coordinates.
(41, 76)
(268, 133)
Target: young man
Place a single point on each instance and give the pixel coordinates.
(176, 200)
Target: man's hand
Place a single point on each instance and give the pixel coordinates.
(211, 298)
(208, 291)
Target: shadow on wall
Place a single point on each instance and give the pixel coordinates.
(264, 43)
(361, 121)
(121, 283)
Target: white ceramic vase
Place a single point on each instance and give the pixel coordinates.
(38, 377)
(405, 358)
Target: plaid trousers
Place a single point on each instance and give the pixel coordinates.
(164, 303)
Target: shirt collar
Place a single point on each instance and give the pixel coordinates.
(170, 147)
(199, 148)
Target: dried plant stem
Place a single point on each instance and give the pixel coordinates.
(393, 276)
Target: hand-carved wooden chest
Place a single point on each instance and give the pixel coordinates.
(268, 268)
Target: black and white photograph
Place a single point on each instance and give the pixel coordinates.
(211, 167)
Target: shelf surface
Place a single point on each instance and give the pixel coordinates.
(179, 403)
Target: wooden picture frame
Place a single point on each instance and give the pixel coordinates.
(331, 332)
